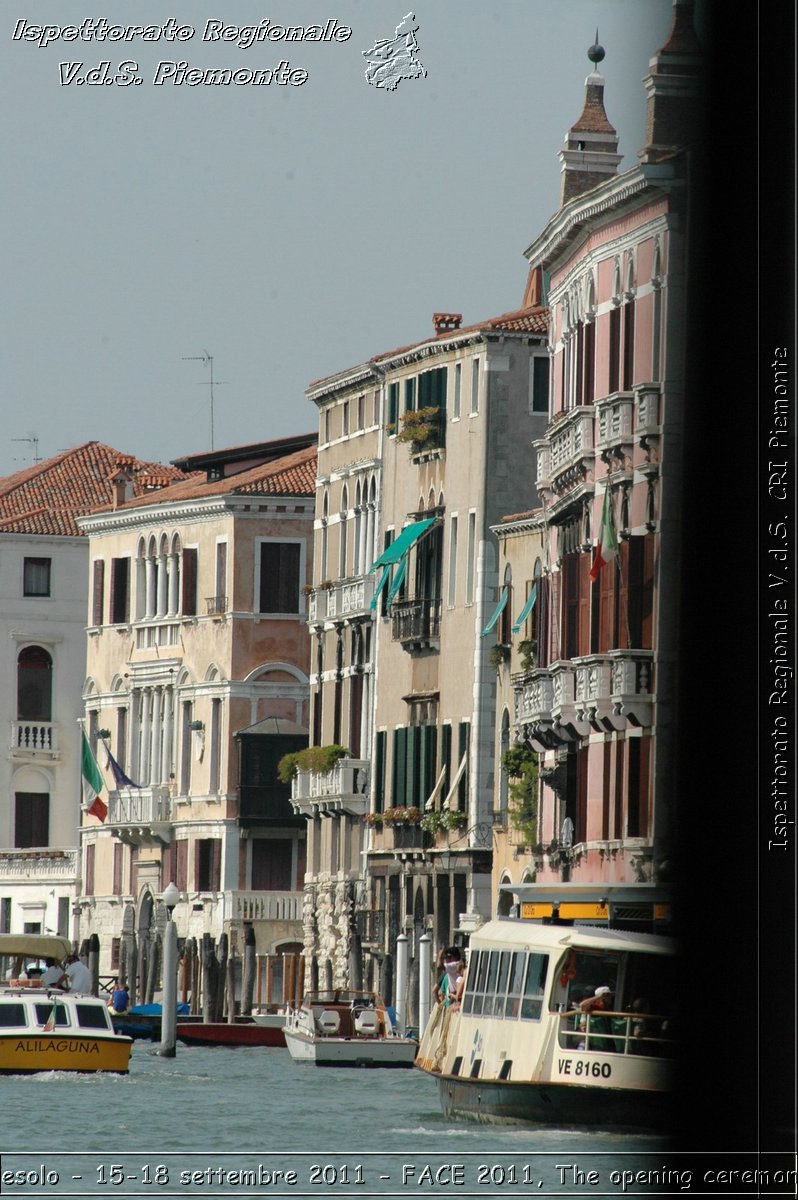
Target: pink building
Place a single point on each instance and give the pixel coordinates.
(597, 702)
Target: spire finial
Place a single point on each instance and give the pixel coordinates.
(596, 52)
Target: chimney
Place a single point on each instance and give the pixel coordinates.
(674, 111)
(121, 480)
(590, 153)
(533, 296)
(446, 322)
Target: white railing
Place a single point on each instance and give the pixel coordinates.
(263, 906)
(150, 636)
(647, 400)
(38, 864)
(34, 737)
(140, 806)
(317, 605)
(533, 698)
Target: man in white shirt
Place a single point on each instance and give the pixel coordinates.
(52, 973)
(78, 975)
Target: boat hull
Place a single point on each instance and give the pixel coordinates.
(28, 1053)
(351, 1052)
(502, 1102)
(224, 1034)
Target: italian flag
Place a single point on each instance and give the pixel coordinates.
(92, 781)
(607, 544)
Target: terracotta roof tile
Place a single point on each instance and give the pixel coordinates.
(46, 498)
(533, 319)
(294, 475)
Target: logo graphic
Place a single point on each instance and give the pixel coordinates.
(390, 60)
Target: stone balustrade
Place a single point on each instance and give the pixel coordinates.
(34, 737)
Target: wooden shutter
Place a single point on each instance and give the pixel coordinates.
(463, 747)
(279, 577)
(120, 591)
(605, 791)
(606, 589)
(116, 885)
(88, 881)
(181, 870)
(585, 588)
(98, 589)
(588, 392)
(620, 746)
(628, 344)
(580, 823)
(216, 864)
(429, 748)
(189, 576)
(647, 592)
(615, 349)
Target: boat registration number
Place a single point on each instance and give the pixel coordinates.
(591, 1068)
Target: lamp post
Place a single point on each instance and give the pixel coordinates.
(170, 898)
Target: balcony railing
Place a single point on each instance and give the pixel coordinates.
(615, 419)
(216, 605)
(416, 623)
(263, 906)
(34, 737)
(150, 636)
(343, 789)
(141, 815)
(647, 403)
(572, 440)
(38, 864)
(614, 689)
(400, 837)
(350, 597)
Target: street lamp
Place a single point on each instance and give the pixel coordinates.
(170, 897)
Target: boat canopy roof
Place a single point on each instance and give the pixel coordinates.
(35, 945)
(529, 935)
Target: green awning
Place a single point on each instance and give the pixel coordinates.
(398, 580)
(400, 545)
(497, 612)
(379, 587)
(527, 609)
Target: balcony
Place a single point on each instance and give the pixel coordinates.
(613, 690)
(344, 789)
(399, 836)
(416, 623)
(37, 739)
(216, 606)
(345, 598)
(141, 816)
(571, 447)
(155, 634)
(533, 694)
(569, 725)
(647, 405)
(263, 906)
(615, 415)
(54, 866)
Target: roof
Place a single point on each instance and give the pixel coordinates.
(265, 451)
(533, 319)
(292, 475)
(45, 499)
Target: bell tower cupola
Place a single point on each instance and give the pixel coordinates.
(590, 153)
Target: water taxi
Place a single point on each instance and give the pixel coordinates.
(46, 1029)
(532, 1041)
(344, 1028)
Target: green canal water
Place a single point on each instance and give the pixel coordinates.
(251, 1122)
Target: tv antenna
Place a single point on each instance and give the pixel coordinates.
(207, 359)
(32, 440)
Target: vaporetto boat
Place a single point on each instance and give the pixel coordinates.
(525, 1044)
(45, 1029)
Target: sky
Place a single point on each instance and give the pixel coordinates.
(288, 231)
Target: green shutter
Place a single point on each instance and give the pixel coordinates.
(463, 741)
(410, 394)
(379, 771)
(393, 406)
(446, 755)
(429, 746)
(399, 768)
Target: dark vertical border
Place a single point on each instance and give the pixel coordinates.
(737, 901)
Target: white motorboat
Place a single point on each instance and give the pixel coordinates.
(525, 1044)
(344, 1028)
(46, 1029)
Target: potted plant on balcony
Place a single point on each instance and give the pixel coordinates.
(499, 654)
(521, 766)
(319, 759)
(374, 819)
(402, 816)
(528, 650)
(420, 429)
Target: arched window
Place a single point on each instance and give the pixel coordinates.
(343, 539)
(504, 746)
(34, 684)
(506, 619)
(325, 516)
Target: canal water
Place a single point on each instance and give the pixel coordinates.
(228, 1121)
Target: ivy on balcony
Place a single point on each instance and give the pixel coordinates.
(319, 759)
(521, 765)
(421, 429)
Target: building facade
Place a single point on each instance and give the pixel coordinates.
(43, 590)
(196, 685)
(420, 450)
(597, 704)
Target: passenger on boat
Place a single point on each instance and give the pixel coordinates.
(592, 1007)
(120, 1000)
(77, 974)
(53, 973)
(445, 990)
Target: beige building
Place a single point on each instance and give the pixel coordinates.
(420, 451)
(196, 684)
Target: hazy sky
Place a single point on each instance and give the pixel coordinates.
(290, 231)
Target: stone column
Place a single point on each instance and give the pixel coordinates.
(167, 757)
(144, 757)
(174, 577)
(161, 585)
(155, 740)
(150, 567)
